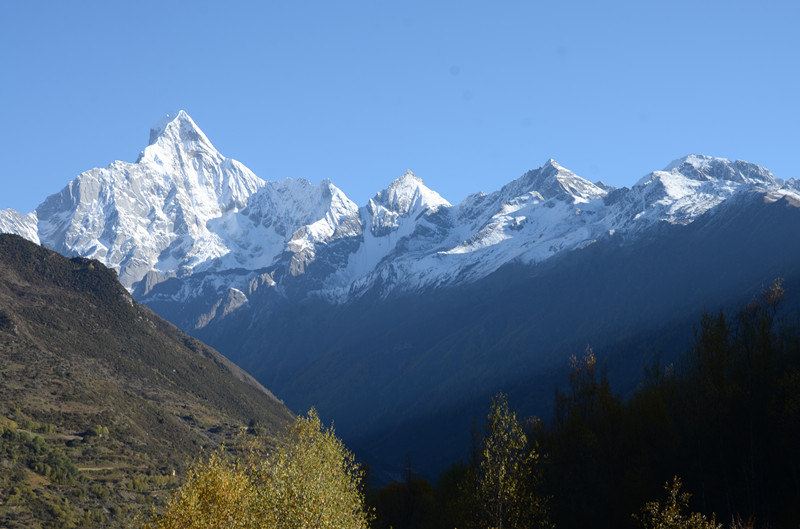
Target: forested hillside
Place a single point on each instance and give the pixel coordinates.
(724, 419)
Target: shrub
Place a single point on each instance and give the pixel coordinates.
(671, 512)
(97, 431)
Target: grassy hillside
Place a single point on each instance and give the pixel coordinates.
(103, 405)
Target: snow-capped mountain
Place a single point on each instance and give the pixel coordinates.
(407, 196)
(404, 312)
(185, 211)
(690, 186)
(23, 225)
(293, 216)
(154, 214)
(550, 210)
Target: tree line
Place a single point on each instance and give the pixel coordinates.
(710, 440)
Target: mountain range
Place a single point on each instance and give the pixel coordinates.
(183, 209)
(408, 311)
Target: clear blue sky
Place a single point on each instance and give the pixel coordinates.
(467, 94)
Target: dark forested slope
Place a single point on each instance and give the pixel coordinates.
(405, 376)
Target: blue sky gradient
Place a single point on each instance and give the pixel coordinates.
(467, 94)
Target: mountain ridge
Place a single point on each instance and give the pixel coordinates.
(183, 208)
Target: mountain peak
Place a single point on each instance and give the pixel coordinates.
(406, 194)
(178, 130)
(127, 214)
(175, 122)
(179, 125)
(695, 160)
(554, 180)
(409, 177)
(551, 163)
(407, 180)
(702, 167)
(406, 191)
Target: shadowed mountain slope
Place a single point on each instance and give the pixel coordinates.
(404, 376)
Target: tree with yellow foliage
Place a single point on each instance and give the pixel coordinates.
(670, 513)
(217, 493)
(309, 481)
(508, 473)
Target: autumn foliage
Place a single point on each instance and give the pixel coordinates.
(309, 481)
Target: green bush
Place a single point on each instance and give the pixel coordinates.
(35, 453)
